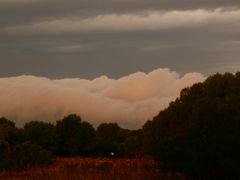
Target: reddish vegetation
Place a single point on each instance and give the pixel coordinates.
(97, 169)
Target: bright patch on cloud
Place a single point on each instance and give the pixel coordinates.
(129, 101)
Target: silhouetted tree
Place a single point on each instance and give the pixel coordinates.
(29, 155)
(199, 132)
(109, 132)
(73, 135)
(42, 134)
(132, 146)
(9, 136)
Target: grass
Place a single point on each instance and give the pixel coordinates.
(96, 169)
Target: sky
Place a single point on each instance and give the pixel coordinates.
(87, 39)
(110, 60)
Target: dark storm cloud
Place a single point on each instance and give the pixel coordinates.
(20, 11)
(68, 38)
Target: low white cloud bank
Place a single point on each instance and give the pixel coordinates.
(129, 101)
(148, 20)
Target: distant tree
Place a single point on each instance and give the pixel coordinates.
(6, 128)
(29, 155)
(9, 136)
(111, 132)
(6, 122)
(42, 134)
(112, 135)
(101, 148)
(73, 135)
(88, 134)
(16, 136)
(132, 146)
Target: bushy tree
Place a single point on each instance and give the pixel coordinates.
(6, 122)
(9, 137)
(6, 128)
(199, 132)
(29, 155)
(42, 134)
(101, 148)
(6, 161)
(132, 146)
(113, 136)
(109, 132)
(73, 135)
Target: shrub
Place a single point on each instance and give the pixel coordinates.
(29, 155)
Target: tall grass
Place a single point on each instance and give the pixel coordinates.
(96, 169)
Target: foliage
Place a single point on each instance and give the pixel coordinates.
(132, 145)
(109, 132)
(6, 128)
(28, 155)
(199, 132)
(5, 158)
(42, 134)
(111, 138)
(73, 135)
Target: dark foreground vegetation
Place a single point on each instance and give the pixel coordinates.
(197, 135)
(93, 169)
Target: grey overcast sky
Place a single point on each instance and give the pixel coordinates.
(89, 38)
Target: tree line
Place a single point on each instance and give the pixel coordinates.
(37, 143)
(198, 134)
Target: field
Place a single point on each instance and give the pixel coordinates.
(96, 169)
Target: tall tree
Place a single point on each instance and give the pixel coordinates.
(199, 132)
(73, 135)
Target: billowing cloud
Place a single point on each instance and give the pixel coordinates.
(129, 101)
(130, 22)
